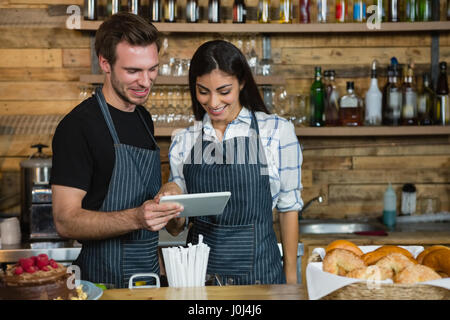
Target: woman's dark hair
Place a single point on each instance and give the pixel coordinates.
(124, 26)
(223, 55)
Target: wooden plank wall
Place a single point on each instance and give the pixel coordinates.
(42, 61)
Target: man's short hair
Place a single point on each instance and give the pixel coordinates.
(124, 26)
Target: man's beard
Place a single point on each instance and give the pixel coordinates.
(121, 92)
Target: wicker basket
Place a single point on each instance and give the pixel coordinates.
(382, 291)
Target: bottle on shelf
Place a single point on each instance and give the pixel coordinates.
(394, 11)
(317, 99)
(331, 99)
(251, 56)
(192, 11)
(382, 9)
(392, 112)
(373, 100)
(426, 102)
(90, 10)
(389, 207)
(239, 11)
(165, 68)
(350, 107)
(286, 11)
(113, 7)
(341, 11)
(134, 6)
(424, 10)
(385, 110)
(442, 97)
(305, 13)
(214, 11)
(170, 10)
(322, 11)
(359, 11)
(409, 99)
(410, 11)
(263, 11)
(155, 10)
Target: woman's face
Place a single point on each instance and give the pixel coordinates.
(218, 93)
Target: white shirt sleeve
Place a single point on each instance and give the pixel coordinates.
(176, 160)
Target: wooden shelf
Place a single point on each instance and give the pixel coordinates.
(183, 27)
(347, 131)
(168, 80)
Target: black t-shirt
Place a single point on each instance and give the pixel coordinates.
(83, 148)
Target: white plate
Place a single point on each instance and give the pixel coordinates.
(93, 292)
(200, 204)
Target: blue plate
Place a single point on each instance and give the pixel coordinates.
(93, 292)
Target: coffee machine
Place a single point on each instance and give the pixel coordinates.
(36, 218)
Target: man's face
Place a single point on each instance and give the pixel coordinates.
(133, 73)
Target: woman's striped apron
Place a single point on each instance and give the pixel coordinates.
(243, 244)
(136, 178)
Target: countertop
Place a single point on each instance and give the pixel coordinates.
(251, 292)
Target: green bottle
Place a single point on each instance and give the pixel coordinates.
(317, 100)
(410, 10)
(424, 10)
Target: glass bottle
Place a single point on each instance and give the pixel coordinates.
(350, 107)
(331, 100)
(424, 10)
(394, 11)
(263, 11)
(304, 9)
(393, 100)
(156, 11)
(359, 11)
(322, 11)
(251, 56)
(113, 7)
(165, 68)
(409, 99)
(239, 11)
(90, 10)
(286, 11)
(410, 11)
(442, 97)
(214, 11)
(341, 10)
(134, 6)
(170, 10)
(373, 100)
(425, 104)
(317, 99)
(192, 11)
(382, 6)
(390, 75)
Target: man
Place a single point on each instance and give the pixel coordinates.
(106, 165)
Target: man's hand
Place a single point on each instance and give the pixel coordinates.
(154, 216)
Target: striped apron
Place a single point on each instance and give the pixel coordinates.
(243, 244)
(136, 178)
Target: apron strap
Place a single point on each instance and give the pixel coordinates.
(147, 128)
(104, 107)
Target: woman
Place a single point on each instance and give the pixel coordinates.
(238, 146)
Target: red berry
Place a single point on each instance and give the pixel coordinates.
(34, 258)
(54, 265)
(45, 268)
(43, 256)
(18, 270)
(30, 269)
(26, 262)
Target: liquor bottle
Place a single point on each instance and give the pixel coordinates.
(341, 10)
(317, 99)
(192, 11)
(170, 10)
(263, 11)
(164, 59)
(410, 11)
(286, 11)
(239, 11)
(113, 7)
(426, 102)
(134, 6)
(385, 107)
(381, 9)
(424, 10)
(156, 11)
(442, 97)
(90, 10)
(305, 11)
(251, 56)
(350, 107)
(214, 11)
(322, 11)
(373, 100)
(393, 100)
(409, 99)
(394, 11)
(331, 100)
(359, 11)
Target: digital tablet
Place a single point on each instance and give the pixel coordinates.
(200, 204)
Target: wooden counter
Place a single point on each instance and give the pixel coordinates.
(254, 292)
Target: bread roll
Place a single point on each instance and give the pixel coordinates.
(346, 245)
(428, 250)
(341, 261)
(373, 257)
(371, 273)
(416, 273)
(438, 260)
(394, 261)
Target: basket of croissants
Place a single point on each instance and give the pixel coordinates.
(398, 273)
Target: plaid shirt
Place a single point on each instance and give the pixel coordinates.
(281, 148)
